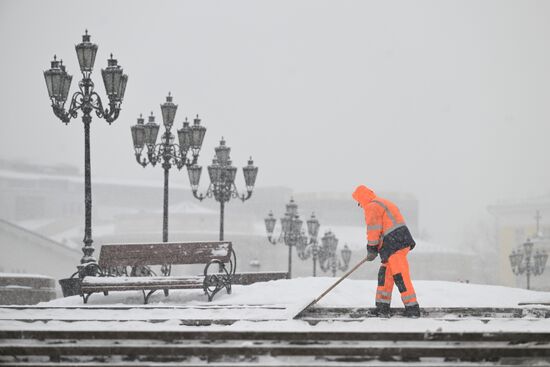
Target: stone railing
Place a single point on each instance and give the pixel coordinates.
(25, 289)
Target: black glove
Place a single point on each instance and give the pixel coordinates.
(372, 252)
(371, 256)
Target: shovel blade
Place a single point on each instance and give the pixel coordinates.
(299, 314)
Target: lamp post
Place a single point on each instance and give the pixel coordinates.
(222, 180)
(167, 152)
(306, 248)
(328, 258)
(292, 234)
(58, 82)
(522, 261)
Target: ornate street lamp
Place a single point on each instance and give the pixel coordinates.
(307, 248)
(58, 82)
(292, 234)
(168, 152)
(522, 261)
(328, 258)
(222, 180)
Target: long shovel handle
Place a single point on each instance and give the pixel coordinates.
(335, 284)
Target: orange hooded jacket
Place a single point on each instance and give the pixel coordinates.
(386, 229)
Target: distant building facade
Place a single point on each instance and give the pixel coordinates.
(24, 251)
(30, 192)
(48, 201)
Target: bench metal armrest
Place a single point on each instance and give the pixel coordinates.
(232, 262)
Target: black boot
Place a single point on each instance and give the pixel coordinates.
(382, 310)
(412, 311)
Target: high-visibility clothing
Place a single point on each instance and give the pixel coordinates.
(386, 229)
(395, 271)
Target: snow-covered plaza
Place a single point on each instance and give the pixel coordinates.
(511, 319)
(272, 306)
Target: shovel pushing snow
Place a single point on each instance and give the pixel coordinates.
(331, 288)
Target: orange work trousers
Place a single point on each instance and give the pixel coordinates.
(396, 271)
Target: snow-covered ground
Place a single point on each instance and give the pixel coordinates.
(349, 293)
(276, 303)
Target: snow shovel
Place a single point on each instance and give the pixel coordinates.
(331, 287)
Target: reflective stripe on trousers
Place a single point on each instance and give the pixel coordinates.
(409, 300)
(396, 272)
(383, 294)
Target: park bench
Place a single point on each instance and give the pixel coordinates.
(126, 267)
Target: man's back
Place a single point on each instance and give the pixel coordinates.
(391, 217)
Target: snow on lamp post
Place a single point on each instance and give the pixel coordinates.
(328, 257)
(222, 180)
(58, 83)
(292, 234)
(168, 152)
(523, 261)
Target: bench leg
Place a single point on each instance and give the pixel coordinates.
(211, 295)
(211, 289)
(146, 297)
(218, 287)
(85, 297)
(165, 292)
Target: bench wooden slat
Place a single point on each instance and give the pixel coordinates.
(101, 284)
(138, 287)
(163, 253)
(145, 281)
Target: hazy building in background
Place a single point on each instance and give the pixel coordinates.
(515, 222)
(45, 202)
(25, 251)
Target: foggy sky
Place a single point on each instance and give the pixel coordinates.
(446, 100)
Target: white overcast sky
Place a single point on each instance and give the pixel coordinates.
(446, 100)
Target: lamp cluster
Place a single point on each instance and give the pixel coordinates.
(523, 261)
(58, 82)
(291, 227)
(306, 247)
(328, 257)
(293, 235)
(190, 139)
(171, 154)
(222, 175)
